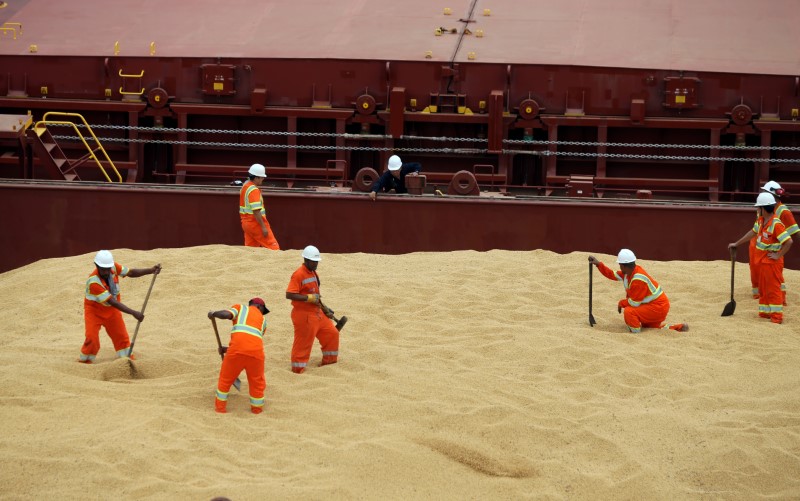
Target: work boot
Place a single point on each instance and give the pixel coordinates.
(87, 361)
(220, 406)
(684, 327)
(256, 410)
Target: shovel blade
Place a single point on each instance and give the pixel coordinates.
(340, 323)
(238, 384)
(729, 309)
(591, 320)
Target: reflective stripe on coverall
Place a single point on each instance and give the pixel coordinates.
(310, 323)
(246, 352)
(98, 313)
(250, 200)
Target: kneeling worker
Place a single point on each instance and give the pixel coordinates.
(395, 177)
(246, 352)
(645, 304)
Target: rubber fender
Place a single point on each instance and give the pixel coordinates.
(463, 183)
(364, 179)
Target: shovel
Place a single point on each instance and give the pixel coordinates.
(136, 332)
(730, 307)
(329, 313)
(238, 383)
(591, 317)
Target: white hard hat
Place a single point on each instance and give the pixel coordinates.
(394, 162)
(104, 259)
(311, 253)
(772, 187)
(626, 256)
(257, 170)
(765, 199)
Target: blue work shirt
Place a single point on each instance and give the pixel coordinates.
(388, 182)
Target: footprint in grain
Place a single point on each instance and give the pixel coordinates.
(507, 467)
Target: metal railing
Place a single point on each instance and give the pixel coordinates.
(44, 122)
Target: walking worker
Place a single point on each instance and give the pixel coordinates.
(395, 176)
(307, 316)
(645, 304)
(772, 242)
(787, 218)
(257, 231)
(102, 306)
(246, 352)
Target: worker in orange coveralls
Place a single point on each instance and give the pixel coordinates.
(645, 304)
(772, 243)
(102, 306)
(787, 218)
(257, 231)
(307, 316)
(246, 352)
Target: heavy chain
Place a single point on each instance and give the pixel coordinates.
(345, 135)
(464, 151)
(457, 151)
(646, 145)
(525, 142)
(667, 157)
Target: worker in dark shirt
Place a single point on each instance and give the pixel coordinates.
(395, 176)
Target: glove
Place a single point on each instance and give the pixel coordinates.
(623, 303)
(313, 298)
(223, 350)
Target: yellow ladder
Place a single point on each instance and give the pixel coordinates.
(45, 121)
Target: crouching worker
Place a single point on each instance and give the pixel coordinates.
(645, 304)
(102, 306)
(246, 352)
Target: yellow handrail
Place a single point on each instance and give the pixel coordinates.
(44, 122)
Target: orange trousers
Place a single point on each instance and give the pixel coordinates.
(770, 302)
(232, 365)
(254, 238)
(650, 315)
(755, 279)
(754, 276)
(309, 325)
(115, 328)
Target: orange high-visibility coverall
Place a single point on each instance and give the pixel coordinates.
(645, 303)
(98, 313)
(787, 218)
(771, 236)
(250, 200)
(309, 323)
(245, 353)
